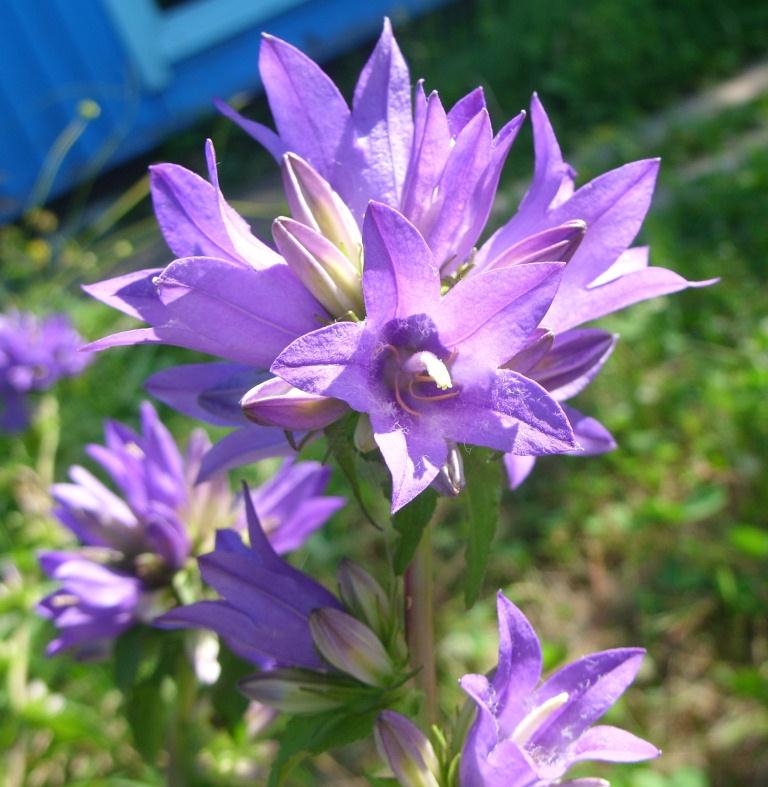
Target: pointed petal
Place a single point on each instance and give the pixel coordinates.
(133, 294)
(634, 259)
(432, 144)
(399, 278)
(450, 210)
(243, 447)
(210, 392)
(573, 361)
(309, 112)
(465, 109)
(187, 210)
(383, 121)
(584, 305)
(413, 459)
(509, 413)
(593, 684)
(593, 437)
(263, 135)
(518, 468)
(251, 315)
(519, 665)
(489, 317)
(611, 744)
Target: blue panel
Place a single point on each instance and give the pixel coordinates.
(59, 52)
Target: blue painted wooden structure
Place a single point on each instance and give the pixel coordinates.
(85, 84)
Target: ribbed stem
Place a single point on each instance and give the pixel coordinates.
(419, 624)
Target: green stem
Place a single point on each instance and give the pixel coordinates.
(419, 624)
(180, 747)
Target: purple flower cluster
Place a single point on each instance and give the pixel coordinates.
(34, 354)
(132, 543)
(438, 341)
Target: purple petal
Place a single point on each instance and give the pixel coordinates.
(263, 135)
(210, 392)
(519, 665)
(399, 278)
(593, 437)
(383, 126)
(489, 317)
(309, 112)
(593, 684)
(465, 109)
(611, 744)
(573, 361)
(583, 305)
(554, 243)
(187, 210)
(518, 468)
(134, 294)
(243, 447)
(432, 144)
(509, 413)
(634, 259)
(332, 361)
(413, 459)
(250, 315)
(450, 211)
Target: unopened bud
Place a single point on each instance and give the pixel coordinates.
(364, 597)
(350, 646)
(297, 690)
(557, 244)
(313, 202)
(277, 403)
(330, 276)
(407, 751)
(450, 480)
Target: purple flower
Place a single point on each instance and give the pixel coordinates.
(266, 604)
(439, 168)
(34, 354)
(425, 368)
(529, 735)
(134, 542)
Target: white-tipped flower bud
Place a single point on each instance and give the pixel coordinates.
(350, 646)
(450, 481)
(330, 276)
(313, 202)
(407, 751)
(297, 691)
(364, 597)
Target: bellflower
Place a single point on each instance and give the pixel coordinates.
(426, 368)
(529, 735)
(34, 354)
(132, 543)
(441, 170)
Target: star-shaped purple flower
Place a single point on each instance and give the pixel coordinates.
(529, 735)
(426, 367)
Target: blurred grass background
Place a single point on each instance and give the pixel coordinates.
(663, 543)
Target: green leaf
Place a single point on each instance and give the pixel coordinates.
(304, 735)
(147, 716)
(340, 436)
(482, 497)
(750, 540)
(410, 522)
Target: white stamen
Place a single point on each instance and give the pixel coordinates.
(433, 366)
(537, 717)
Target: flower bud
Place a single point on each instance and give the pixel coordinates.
(350, 646)
(297, 690)
(407, 751)
(313, 202)
(330, 276)
(450, 480)
(364, 597)
(538, 346)
(277, 403)
(556, 244)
